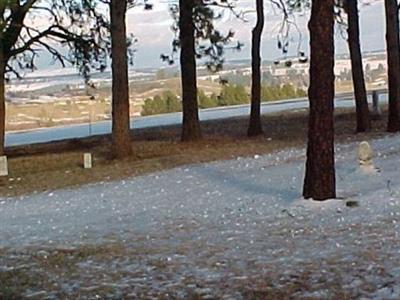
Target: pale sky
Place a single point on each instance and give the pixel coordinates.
(152, 28)
(153, 31)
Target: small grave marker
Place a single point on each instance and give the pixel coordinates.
(87, 160)
(3, 166)
(365, 155)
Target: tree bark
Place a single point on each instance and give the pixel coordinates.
(2, 101)
(191, 130)
(320, 182)
(360, 92)
(255, 127)
(121, 140)
(393, 57)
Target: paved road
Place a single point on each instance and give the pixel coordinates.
(83, 130)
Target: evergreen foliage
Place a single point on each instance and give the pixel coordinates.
(168, 102)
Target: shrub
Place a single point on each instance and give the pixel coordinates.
(166, 103)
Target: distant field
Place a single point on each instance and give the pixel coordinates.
(35, 115)
(80, 106)
(74, 107)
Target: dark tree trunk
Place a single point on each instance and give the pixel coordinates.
(191, 126)
(393, 56)
(255, 127)
(2, 99)
(121, 143)
(320, 183)
(360, 92)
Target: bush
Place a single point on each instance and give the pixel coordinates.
(286, 91)
(207, 102)
(230, 95)
(233, 95)
(166, 103)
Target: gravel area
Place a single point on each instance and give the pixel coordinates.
(227, 230)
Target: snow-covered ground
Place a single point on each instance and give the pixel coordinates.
(223, 230)
(44, 79)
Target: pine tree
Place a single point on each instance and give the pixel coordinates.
(197, 38)
(255, 127)
(393, 57)
(320, 182)
(121, 141)
(360, 91)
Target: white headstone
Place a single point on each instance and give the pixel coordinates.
(3, 166)
(87, 160)
(365, 155)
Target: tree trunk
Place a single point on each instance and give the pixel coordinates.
(2, 100)
(360, 92)
(121, 141)
(320, 183)
(191, 126)
(255, 127)
(393, 56)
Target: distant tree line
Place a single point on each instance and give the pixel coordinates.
(168, 102)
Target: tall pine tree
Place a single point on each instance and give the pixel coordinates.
(360, 91)
(393, 57)
(197, 38)
(121, 142)
(255, 126)
(320, 182)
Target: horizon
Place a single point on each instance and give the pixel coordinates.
(72, 71)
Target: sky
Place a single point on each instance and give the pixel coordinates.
(153, 31)
(152, 28)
